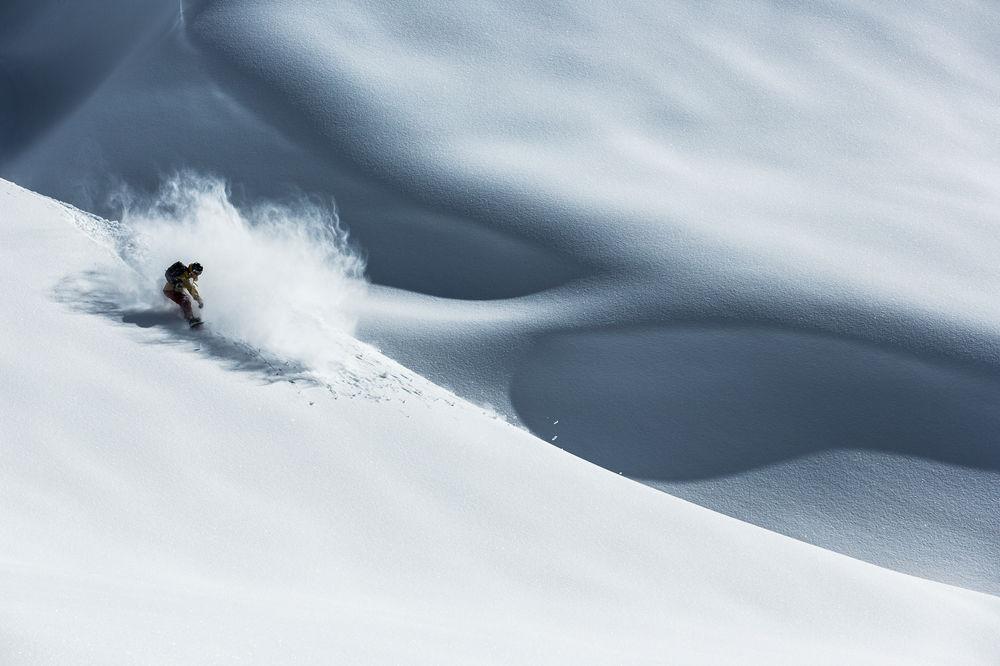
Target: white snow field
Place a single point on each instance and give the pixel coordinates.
(744, 252)
(176, 497)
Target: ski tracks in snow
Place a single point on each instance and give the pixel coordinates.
(364, 374)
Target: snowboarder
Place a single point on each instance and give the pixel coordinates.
(181, 278)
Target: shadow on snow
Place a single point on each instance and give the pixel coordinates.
(94, 293)
(694, 402)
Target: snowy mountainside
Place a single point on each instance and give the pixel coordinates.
(164, 501)
(549, 194)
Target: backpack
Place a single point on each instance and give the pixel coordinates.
(174, 273)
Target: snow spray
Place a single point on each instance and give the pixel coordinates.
(279, 276)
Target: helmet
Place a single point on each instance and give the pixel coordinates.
(196, 268)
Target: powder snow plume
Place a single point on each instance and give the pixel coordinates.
(279, 276)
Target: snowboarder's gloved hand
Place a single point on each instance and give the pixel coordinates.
(201, 304)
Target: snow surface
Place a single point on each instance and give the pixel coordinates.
(170, 496)
(744, 252)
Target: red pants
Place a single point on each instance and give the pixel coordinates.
(181, 299)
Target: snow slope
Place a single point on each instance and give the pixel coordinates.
(743, 252)
(169, 497)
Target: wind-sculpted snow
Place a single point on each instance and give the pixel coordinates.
(752, 420)
(668, 196)
(851, 143)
